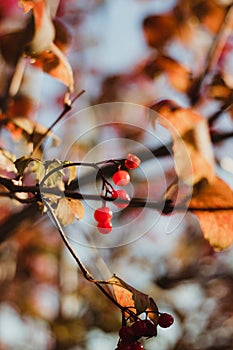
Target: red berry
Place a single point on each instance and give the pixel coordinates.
(123, 346)
(150, 329)
(139, 328)
(103, 214)
(104, 227)
(165, 320)
(144, 328)
(137, 346)
(126, 334)
(121, 178)
(132, 161)
(121, 194)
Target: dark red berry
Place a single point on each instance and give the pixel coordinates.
(104, 227)
(150, 329)
(103, 214)
(137, 346)
(165, 320)
(121, 178)
(126, 334)
(139, 328)
(144, 328)
(123, 346)
(121, 194)
(132, 161)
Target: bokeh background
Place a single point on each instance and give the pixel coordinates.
(133, 52)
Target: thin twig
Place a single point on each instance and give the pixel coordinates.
(66, 109)
(213, 55)
(87, 275)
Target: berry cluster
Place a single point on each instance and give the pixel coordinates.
(130, 335)
(103, 215)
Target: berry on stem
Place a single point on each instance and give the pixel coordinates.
(132, 161)
(104, 227)
(121, 194)
(126, 334)
(121, 178)
(150, 329)
(165, 320)
(138, 329)
(137, 346)
(103, 214)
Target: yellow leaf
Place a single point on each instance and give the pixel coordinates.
(76, 207)
(72, 174)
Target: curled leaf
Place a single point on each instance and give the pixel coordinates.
(22, 163)
(127, 296)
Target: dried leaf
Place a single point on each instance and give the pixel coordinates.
(7, 161)
(158, 29)
(54, 62)
(68, 209)
(217, 225)
(42, 49)
(22, 163)
(44, 32)
(178, 75)
(127, 296)
(192, 146)
(210, 14)
(153, 311)
(38, 168)
(72, 174)
(56, 178)
(32, 130)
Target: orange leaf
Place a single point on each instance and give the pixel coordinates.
(192, 146)
(129, 297)
(217, 225)
(44, 31)
(55, 63)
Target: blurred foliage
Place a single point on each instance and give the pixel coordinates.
(188, 50)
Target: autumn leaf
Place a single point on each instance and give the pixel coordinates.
(178, 75)
(192, 146)
(153, 311)
(129, 297)
(31, 129)
(55, 63)
(68, 210)
(42, 48)
(7, 161)
(217, 222)
(158, 29)
(38, 41)
(22, 163)
(55, 179)
(72, 174)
